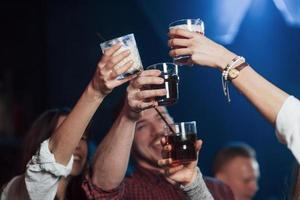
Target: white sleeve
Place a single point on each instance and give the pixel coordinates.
(43, 174)
(288, 125)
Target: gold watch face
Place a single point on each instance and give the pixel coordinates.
(233, 73)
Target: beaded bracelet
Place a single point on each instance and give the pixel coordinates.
(225, 80)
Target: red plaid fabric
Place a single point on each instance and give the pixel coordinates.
(218, 189)
(146, 185)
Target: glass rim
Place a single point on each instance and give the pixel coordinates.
(189, 122)
(179, 123)
(127, 35)
(184, 20)
(176, 125)
(161, 63)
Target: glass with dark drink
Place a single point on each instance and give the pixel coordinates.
(193, 25)
(182, 139)
(169, 72)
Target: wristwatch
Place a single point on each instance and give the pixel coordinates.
(234, 72)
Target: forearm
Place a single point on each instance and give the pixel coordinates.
(265, 96)
(112, 156)
(65, 139)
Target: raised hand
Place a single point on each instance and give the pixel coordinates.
(104, 80)
(140, 96)
(202, 50)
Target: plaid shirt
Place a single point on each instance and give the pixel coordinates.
(146, 185)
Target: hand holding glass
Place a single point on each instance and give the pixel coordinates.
(193, 25)
(169, 72)
(128, 43)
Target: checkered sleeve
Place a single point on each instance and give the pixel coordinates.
(93, 192)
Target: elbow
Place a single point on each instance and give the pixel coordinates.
(104, 183)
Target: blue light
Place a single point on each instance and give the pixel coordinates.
(290, 9)
(227, 17)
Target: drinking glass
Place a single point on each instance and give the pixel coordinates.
(128, 43)
(182, 137)
(193, 25)
(169, 72)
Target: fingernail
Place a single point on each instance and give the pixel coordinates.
(161, 81)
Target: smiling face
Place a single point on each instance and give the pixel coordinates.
(80, 153)
(80, 156)
(148, 132)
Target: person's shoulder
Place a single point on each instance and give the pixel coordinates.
(214, 181)
(218, 189)
(15, 189)
(15, 181)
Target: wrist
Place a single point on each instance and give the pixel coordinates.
(193, 178)
(93, 94)
(129, 113)
(225, 58)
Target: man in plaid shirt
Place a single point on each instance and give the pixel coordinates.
(140, 133)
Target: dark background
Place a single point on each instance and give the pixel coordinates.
(49, 50)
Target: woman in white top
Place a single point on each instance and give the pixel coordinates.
(64, 153)
(40, 131)
(281, 109)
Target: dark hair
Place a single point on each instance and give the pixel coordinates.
(231, 151)
(74, 189)
(41, 129)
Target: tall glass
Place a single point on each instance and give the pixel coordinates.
(193, 25)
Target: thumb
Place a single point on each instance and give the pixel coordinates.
(198, 145)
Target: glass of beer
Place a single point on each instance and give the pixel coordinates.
(128, 43)
(193, 25)
(182, 139)
(169, 72)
